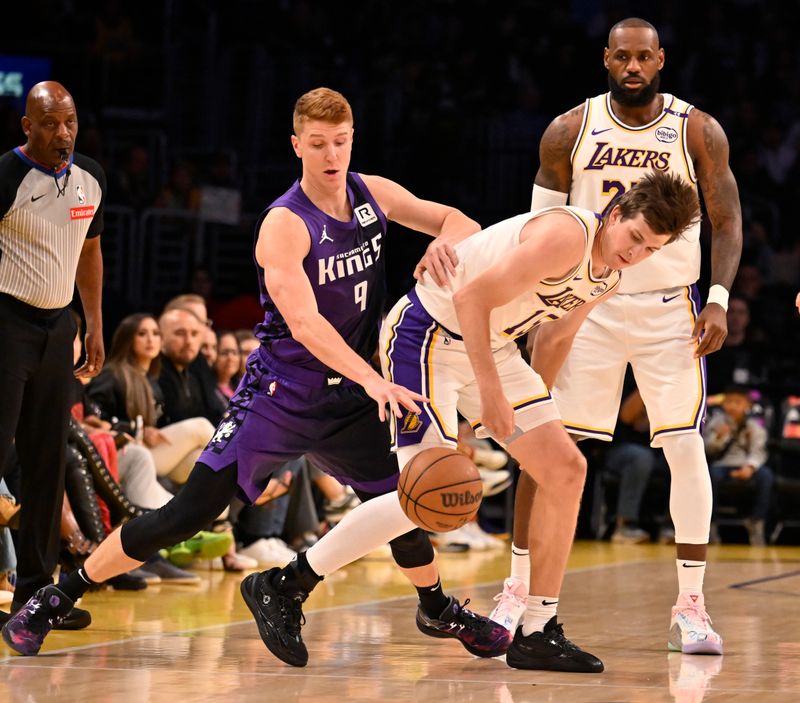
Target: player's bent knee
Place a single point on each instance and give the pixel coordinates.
(198, 503)
(411, 550)
(574, 470)
(143, 537)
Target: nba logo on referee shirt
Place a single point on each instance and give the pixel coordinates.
(365, 215)
(81, 194)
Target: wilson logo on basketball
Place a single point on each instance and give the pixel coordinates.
(81, 213)
(455, 500)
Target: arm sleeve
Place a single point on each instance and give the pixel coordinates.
(544, 197)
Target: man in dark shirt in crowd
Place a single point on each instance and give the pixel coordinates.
(741, 359)
(184, 394)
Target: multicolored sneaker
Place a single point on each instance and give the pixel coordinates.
(278, 614)
(479, 635)
(550, 651)
(690, 629)
(26, 629)
(511, 604)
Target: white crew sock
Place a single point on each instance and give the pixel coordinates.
(690, 576)
(539, 611)
(521, 565)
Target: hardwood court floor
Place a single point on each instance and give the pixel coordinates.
(183, 644)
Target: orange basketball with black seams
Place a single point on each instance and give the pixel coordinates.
(440, 489)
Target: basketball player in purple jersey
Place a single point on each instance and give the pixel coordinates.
(309, 389)
(656, 322)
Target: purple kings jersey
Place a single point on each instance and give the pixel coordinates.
(345, 266)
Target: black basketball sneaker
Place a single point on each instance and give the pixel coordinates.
(479, 635)
(76, 619)
(550, 651)
(278, 614)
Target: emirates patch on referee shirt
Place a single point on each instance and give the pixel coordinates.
(81, 213)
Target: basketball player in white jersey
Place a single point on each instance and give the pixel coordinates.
(455, 345)
(588, 156)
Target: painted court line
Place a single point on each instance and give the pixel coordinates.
(362, 604)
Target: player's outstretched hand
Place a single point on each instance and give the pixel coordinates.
(440, 262)
(497, 415)
(710, 330)
(385, 393)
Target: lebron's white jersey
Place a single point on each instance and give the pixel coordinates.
(609, 156)
(547, 300)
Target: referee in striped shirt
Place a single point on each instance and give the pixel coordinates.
(51, 216)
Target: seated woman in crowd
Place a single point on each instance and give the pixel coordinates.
(129, 397)
(227, 364)
(127, 390)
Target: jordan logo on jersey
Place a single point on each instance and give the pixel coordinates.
(605, 155)
(565, 300)
(325, 236)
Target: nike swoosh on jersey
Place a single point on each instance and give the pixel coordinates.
(37, 197)
(595, 132)
(665, 299)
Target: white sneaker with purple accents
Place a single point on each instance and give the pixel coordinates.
(690, 629)
(511, 604)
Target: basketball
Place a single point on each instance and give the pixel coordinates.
(440, 489)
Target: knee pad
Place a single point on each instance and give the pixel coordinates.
(412, 549)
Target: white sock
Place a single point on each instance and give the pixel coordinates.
(521, 565)
(539, 611)
(365, 528)
(690, 576)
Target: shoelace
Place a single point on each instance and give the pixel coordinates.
(510, 600)
(558, 636)
(470, 620)
(292, 612)
(700, 611)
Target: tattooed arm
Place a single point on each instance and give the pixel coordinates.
(555, 169)
(708, 147)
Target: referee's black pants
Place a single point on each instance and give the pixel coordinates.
(36, 382)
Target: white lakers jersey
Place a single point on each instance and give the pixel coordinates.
(547, 300)
(609, 156)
